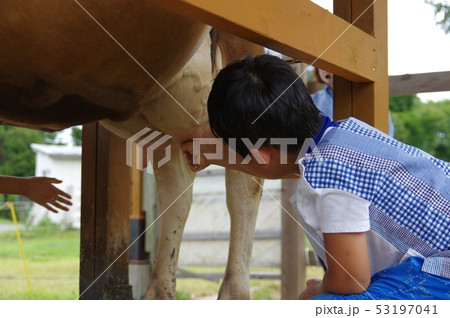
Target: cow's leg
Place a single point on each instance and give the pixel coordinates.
(243, 196)
(174, 183)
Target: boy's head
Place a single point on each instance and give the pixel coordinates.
(261, 97)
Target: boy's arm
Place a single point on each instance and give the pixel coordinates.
(348, 266)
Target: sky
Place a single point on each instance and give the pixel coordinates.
(415, 43)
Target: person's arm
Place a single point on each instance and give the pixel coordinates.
(38, 189)
(348, 269)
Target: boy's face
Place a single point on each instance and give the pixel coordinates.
(266, 162)
(272, 163)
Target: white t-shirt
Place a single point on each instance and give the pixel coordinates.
(336, 211)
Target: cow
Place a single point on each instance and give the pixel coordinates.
(130, 65)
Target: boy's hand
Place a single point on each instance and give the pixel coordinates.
(196, 162)
(43, 192)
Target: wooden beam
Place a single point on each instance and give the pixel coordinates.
(409, 84)
(294, 28)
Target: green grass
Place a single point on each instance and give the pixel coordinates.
(261, 289)
(52, 258)
(5, 221)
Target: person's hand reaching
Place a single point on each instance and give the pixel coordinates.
(42, 191)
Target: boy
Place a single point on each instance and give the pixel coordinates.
(376, 210)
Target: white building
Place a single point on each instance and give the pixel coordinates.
(63, 163)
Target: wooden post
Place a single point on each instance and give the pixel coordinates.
(293, 264)
(150, 204)
(293, 260)
(105, 205)
(367, 101)
(139, 267)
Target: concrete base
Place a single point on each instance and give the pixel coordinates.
(139, 277)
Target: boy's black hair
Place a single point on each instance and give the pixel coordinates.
(265, 85)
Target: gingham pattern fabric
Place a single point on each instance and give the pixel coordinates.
(408, 190)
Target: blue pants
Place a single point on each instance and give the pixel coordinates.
(403, 281)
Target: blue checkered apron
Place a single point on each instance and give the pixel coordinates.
(408, 189)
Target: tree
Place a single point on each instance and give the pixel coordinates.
(425, 126)
(16, 156)
(77, 136)
(403, 103)
(444, 9)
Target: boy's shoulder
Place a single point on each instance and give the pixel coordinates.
(358, 126)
